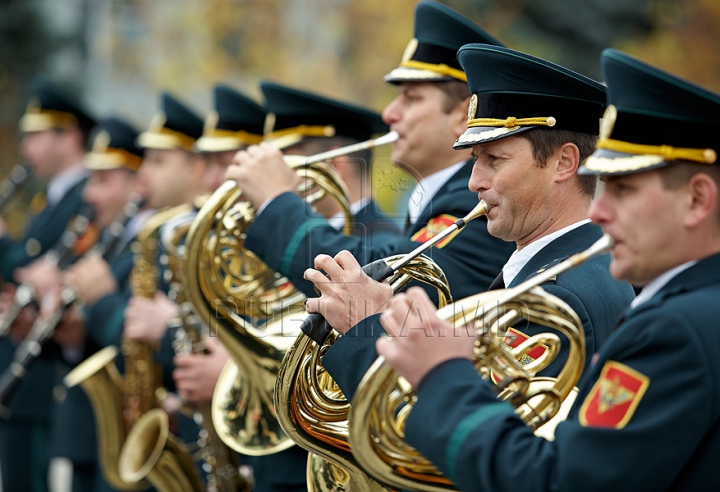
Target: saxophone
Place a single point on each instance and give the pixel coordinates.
(119, 402)
(220, 463)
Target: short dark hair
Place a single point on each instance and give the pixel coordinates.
(315, 145)
(456, 91)
(680, 172)
(545, 141)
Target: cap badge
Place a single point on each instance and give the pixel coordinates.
(410, 50)
(608, 122)
(472, 109)
(101, 142)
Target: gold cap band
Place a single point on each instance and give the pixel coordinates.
(667, 152)
(512, 122)
(440, 69)
(112, 158)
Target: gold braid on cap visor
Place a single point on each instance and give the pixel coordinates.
(438, 68)
(512, 122)
(241, 135)
(667, 152)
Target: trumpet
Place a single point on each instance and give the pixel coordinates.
(311, 409)
(383, 399)
(228, 285)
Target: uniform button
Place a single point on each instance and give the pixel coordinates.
(33, 247)
(59, 393)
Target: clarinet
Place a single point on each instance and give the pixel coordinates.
(61, 254)
(110, 243)
(17, 177)
(42, 330)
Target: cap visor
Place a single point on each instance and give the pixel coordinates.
(482, 134)
(610, 163)
(405, 74)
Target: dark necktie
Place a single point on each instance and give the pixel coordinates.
(498, 283)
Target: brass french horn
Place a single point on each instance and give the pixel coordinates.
(230, 288)
(313, 410)
(383, 399)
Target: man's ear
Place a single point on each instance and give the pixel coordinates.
(459, 116)
(566, 161)
(703, 197)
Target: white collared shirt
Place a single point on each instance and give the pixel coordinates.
(134, 225)
(338, 220)
(661, 281)
(426, 189)
(63, 182)
(519, 258)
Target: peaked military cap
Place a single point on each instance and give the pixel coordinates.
(115, 146)
(653, 119)
(431, 54)
(175, 127)
(294, 114)
(50, 107)
(513, 92)
(235, 122)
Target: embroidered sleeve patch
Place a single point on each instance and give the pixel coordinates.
(614, 397)
(435, 226)
(513, 339)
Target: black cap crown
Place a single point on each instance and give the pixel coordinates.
(431, 54)
(296, 114)
(115, 146)
(237, 121)
(50, 107)
(175, 126)
(513, 92)
(653, 119)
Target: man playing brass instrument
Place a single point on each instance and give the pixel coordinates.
(428, 113)
(529, 135)
(647, 414)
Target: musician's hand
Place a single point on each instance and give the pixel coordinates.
(348, 296)
(147, 319)
(196, 374)
(70, 332)
(262, 174)
(92, 278)
(419, 340)
(23, 323)
(42, 274)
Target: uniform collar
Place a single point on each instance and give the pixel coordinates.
(427, 188)
(520, 258)
(695, 276)
(654, 286)
(337, 221)
(62, 183)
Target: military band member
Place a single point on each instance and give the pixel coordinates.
(647, 414)
(529, 134)
(429, 114)
(98, 281)
(56, 131)
(301, 126)
(174, 175)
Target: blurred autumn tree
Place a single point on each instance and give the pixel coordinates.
(134, 48)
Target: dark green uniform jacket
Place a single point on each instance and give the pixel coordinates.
(589, 289)
(646, 417)
(288, 236)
